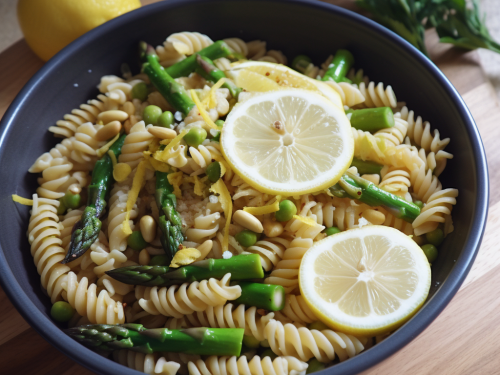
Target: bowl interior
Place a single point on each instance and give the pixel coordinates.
(314, 29)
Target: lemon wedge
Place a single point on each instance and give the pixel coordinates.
(365, 281)
(261, 76)
(288, 142)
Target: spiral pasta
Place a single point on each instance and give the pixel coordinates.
(377, 95)
(395, 135)
(303, 343)
(232, 365)
(147, 363)
(85, 145)
(179, 300)
(117, 212)
(274, 56)
(349, 94)
(295, 310)
(136, 142)
(256, 49)
(187, 43)
(205, 226)
(237, 45)
(437, 207)
(396, 181)
(270, 250)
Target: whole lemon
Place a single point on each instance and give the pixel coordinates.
(50, 25)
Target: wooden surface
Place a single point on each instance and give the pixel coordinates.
(461, 341)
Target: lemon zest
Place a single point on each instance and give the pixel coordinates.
(198, 186)
(224, 166)
(227, 205)
(112, 156)
(139, 180)
(18, 199)
(211, 95)
(306, 220)
(268, 209)
(163, 155)
(175, 179)
(157, 165)
(184, 257)
(202, 111)
(104, 149)
(121, 171)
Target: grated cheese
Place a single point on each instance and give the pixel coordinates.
(104, 149)
(27, 202)
(134, 193)
(227, 205)
(157, 165)
(163, 155)
(268, 209)
(175, 179)
(202, 111)
(306, 220)
(211, 95)
(184, 257)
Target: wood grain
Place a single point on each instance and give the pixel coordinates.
(461, 341)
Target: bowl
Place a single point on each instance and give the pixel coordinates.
(295, 27)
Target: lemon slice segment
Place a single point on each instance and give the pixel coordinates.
(264, 76)
(365, 281)
(288, 142)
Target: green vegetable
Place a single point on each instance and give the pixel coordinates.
(314, 365)
(286, 210)
(332, 230)
(136, 241)
(140, 91)
(87, 229)
(372, 119)
(436, 237)
(241, 267)
(366, 167)
(250, 342)
(170, 222)
(166, 119)
(354, 187)
(263, 296)
(151, 114)
(201, 341)
(213, 171)
(206, 68)
(195, 137)
(320, 326)
(62, 311)
(160, 260)
(300, 63)
(72, 200)
(219, 123)
(340, 65)
(430, 252)
(419, 204)
(62, 207)
(246, 238)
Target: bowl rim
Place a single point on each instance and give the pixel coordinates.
(433, 307)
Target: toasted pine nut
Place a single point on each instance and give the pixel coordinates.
(148, 228)
(108, 131)
(144, 257)
(129, 108)
(108, 116)
(272, 228)
(204, 249)
(162, 133)
(375, 178)
(248, 221)
(373, 216)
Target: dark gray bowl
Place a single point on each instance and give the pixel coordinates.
(295, 27)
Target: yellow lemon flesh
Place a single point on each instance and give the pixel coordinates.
(365, 281)
(264, 76)
(50, 25)
(288, 142)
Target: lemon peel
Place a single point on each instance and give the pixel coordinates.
(227, 205)
(104, 149)
(175, 179)
(184, 257)
(211, 95)
(306, 220)
(137, 184)
(162, 155)
(202, 111)
(268, 209)
(25, 201)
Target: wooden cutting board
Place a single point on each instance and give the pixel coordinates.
(461, 341)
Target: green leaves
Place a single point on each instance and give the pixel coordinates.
(455, 22)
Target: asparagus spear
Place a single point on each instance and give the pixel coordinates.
(86, 231)
(371, 119)
(339, 67)
(241, 267)
(170, 223)
(263, 296)
(366, 167)
(206, 68)
(201, 341)
(354, 187)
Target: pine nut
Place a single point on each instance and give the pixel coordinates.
(148, 228)
(272, 228)
(248, 221)
(108, 131)
(108, 116)
(144, 257)
(375, 178)
(162, 133)
(373, 216)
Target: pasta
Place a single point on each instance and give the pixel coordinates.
(147, 363)
(296, 310)
(377, 95)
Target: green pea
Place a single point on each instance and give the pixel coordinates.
(219, 123)
(216, 138)
(136, 241)
(72, 200)
(213, 171)
(62, 207)
(166, 119)
(250, 342)
(314, 365)
(247, 238)
(419, 204)
(430, 252)
(331, 230)
(436, 237)
(140, 91)
(300, 63)
(160, 260)
(195, 137)
(151, 114)
(318, 326)
(286, 211)
(62, 311)
(268, 353)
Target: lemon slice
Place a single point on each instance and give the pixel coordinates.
(264, 76)
(288, 142)
(365, 281)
